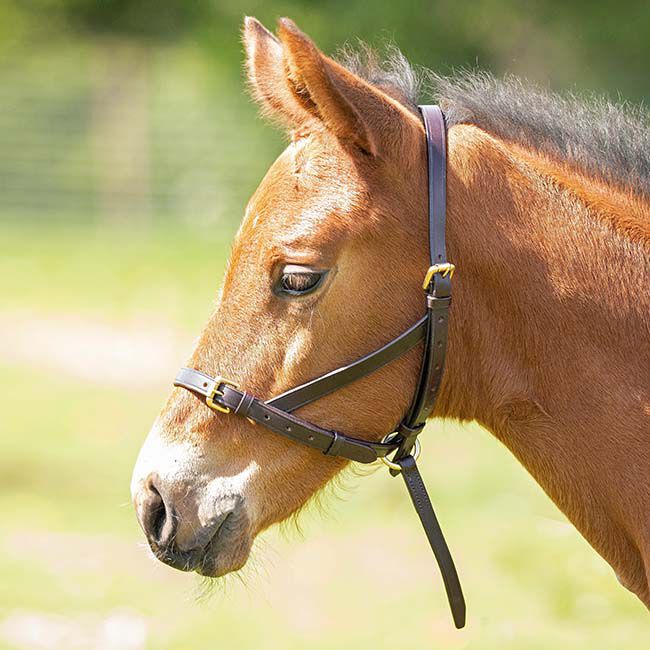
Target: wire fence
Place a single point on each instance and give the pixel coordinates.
(122, 133)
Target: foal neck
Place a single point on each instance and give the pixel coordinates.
(550, 340)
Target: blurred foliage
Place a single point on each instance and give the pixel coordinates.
(599, 44)
(144, 19)
(136, 108)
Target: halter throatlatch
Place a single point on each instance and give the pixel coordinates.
(276, 414)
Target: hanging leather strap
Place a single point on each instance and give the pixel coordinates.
(422, 503)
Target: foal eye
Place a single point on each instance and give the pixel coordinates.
(298, 280)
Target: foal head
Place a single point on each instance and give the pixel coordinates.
(325, 267)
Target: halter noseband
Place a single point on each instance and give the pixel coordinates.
(276, 414)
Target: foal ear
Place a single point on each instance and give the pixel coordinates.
(347, 105)
(265, 69)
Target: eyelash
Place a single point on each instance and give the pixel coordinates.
(299, 281)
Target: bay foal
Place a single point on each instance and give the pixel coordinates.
(549, 343)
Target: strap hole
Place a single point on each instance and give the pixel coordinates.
(205, 384)
(311, 438)
(267, 416)
(437, 366)
(440, 319)
(439, 344)
(289, 429)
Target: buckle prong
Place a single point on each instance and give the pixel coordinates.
(214, 391)
(445, 269)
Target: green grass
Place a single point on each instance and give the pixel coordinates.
(360, 577)
(117, 274)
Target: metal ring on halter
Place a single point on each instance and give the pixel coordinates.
(389, 463)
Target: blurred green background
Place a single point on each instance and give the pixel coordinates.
(128, 148)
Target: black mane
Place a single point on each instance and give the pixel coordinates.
(599, 138)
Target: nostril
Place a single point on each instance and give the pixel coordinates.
(156, 517)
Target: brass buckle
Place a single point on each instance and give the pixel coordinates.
(392, 465)
(445, 269)
(214, 391)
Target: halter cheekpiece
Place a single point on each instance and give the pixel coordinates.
(276, 414)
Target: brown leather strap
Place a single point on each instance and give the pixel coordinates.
(316, 388)
(434, 124)
(438, 291)
(231, 399)
(422, 503)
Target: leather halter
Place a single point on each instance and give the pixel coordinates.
(276, 414)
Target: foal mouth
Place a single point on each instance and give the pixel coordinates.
(226, 551)
(181, 560)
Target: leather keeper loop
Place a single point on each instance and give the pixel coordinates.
(335, 445)
(409, 436)
(438, 303)
(407, 432)
(244, 404)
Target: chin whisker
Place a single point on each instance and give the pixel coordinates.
(339, 488)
